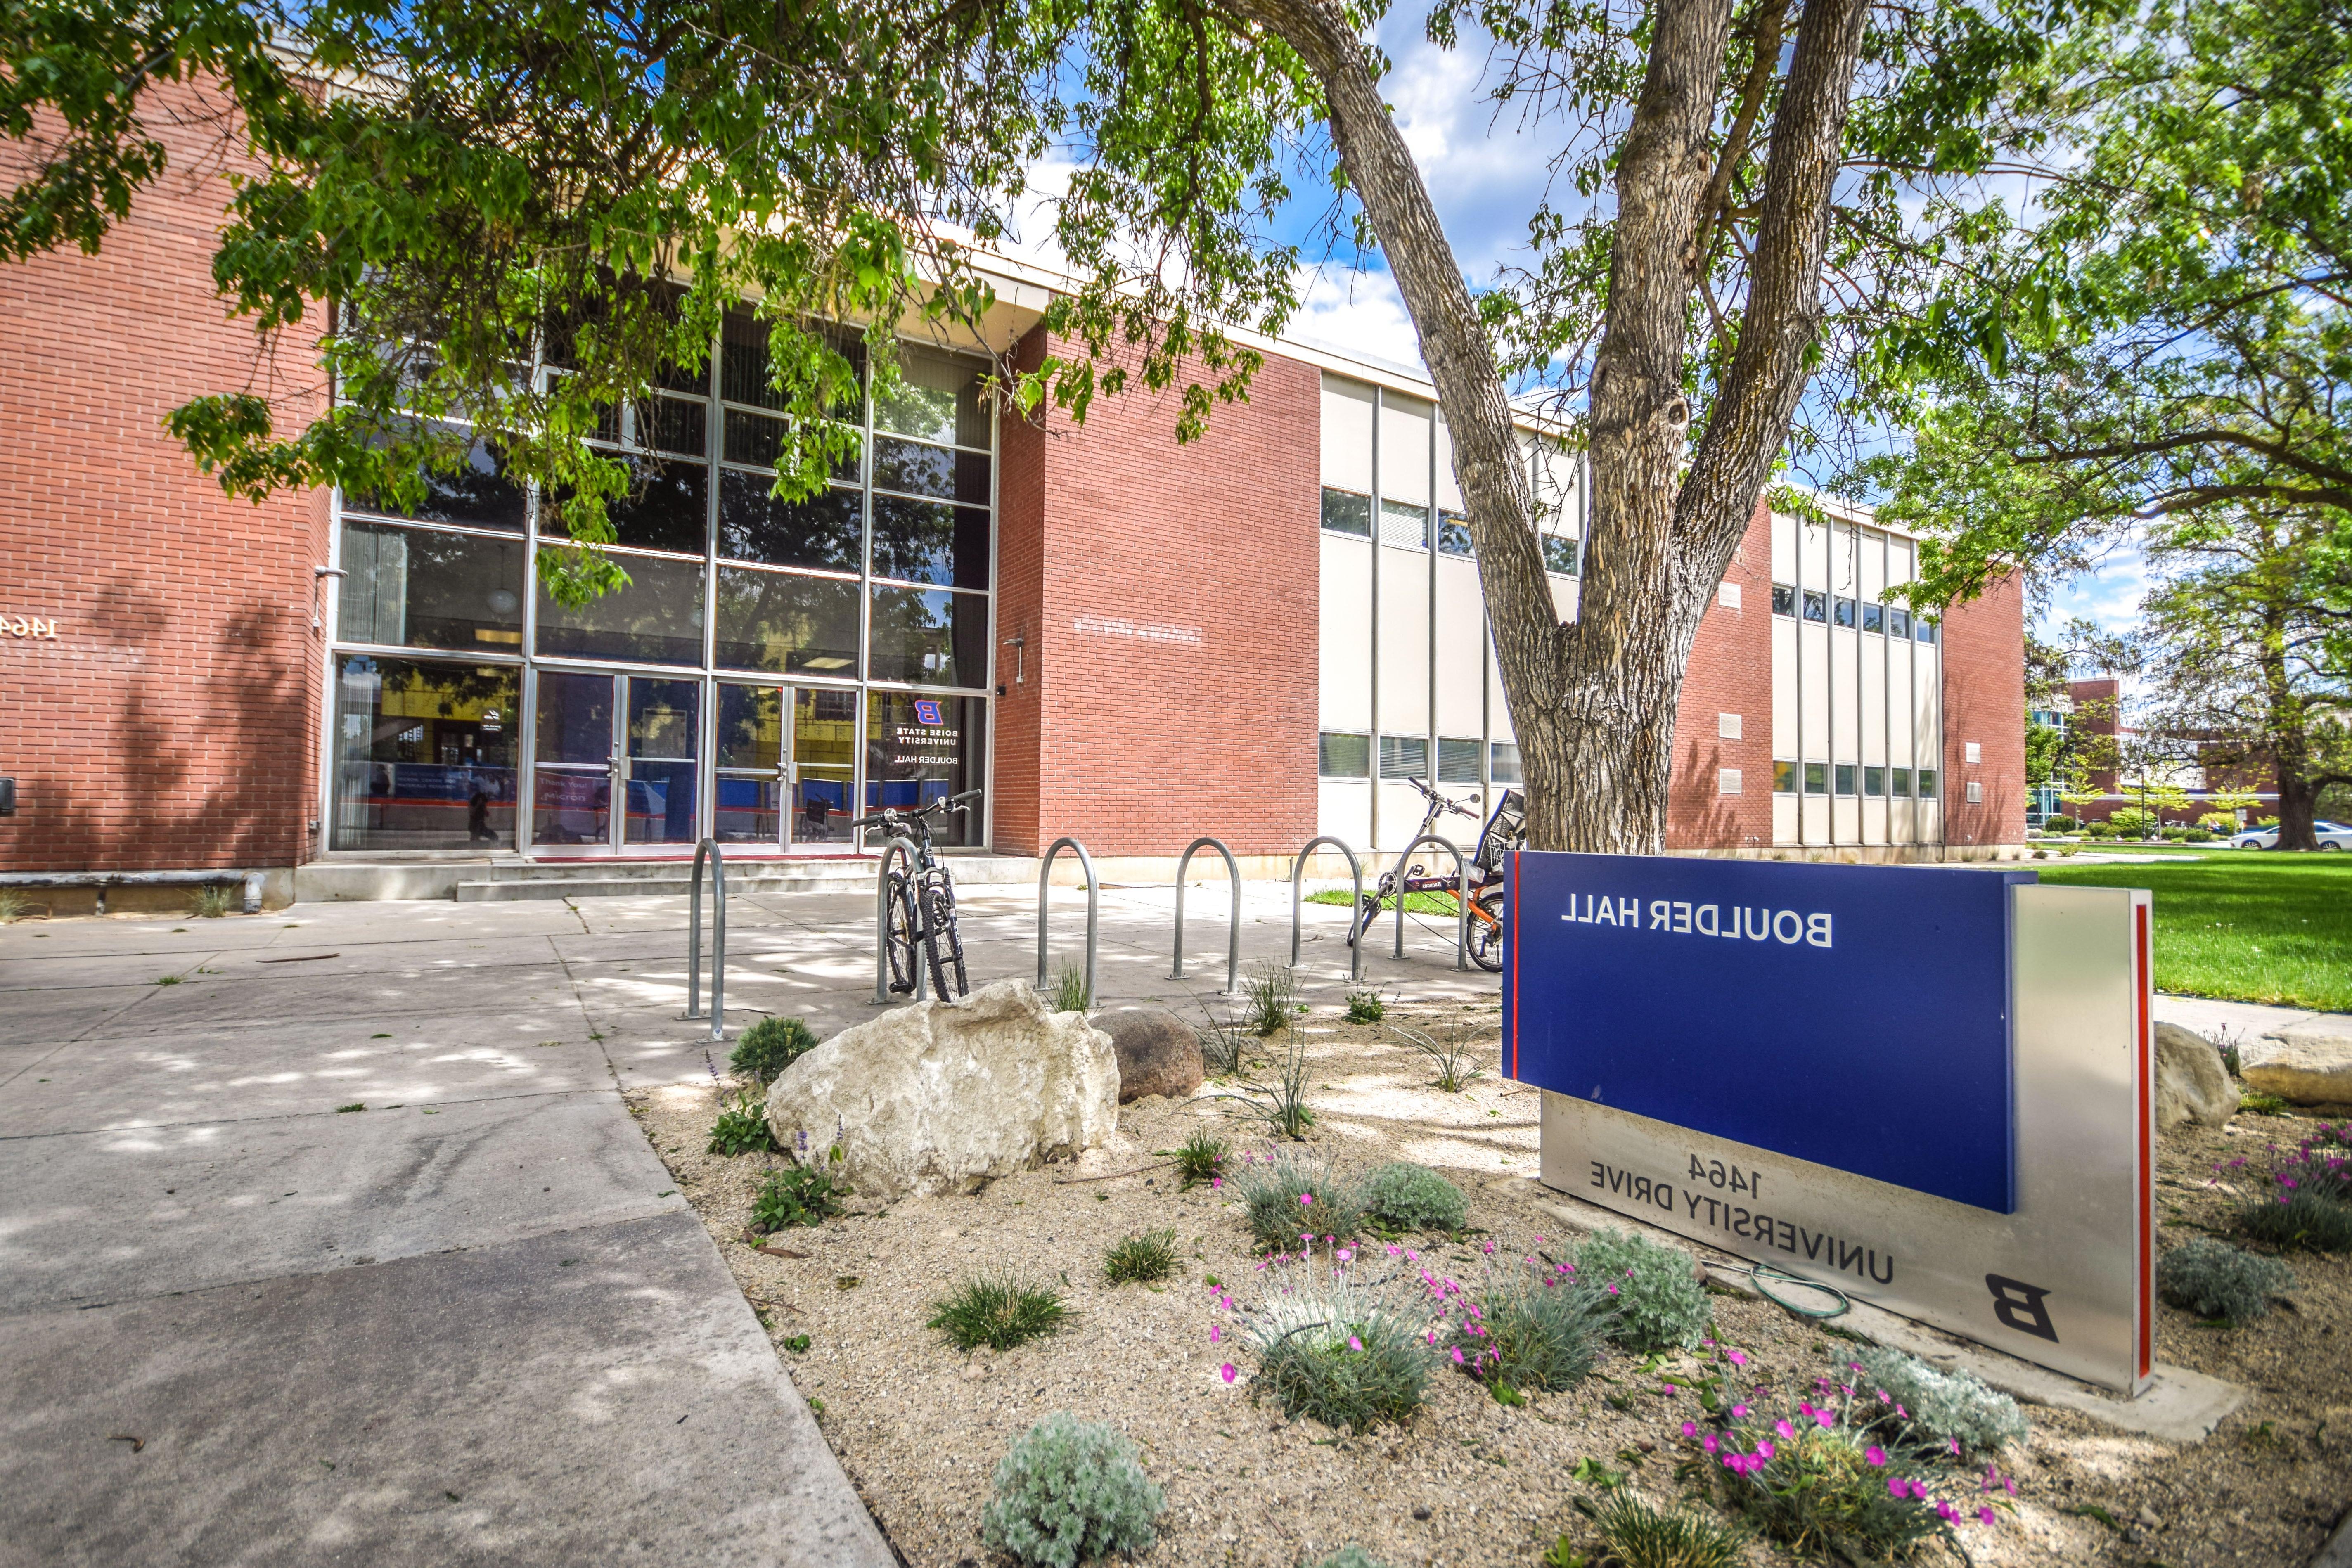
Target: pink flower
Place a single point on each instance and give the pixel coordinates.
(1457, 1356)
(1785, 1430)
(1347, 1254)
(1216, 1332)
(1226, 1371)
(1709, 1443)
(1764, 1448)
(1897, 1487)
(1824, 1418)
(1733, 1463)
(1215, 1181)
(1984, 1514)
(1306, 1200)
(1737, 1411)
(1874, 1454)
(1954, 1443)
(1950, 1514)
(1690, 1428)
(1354, 1344)
(1736, 1359)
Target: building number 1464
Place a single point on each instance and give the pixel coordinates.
(1729, 1178)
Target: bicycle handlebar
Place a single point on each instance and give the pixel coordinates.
(1438, 799)
(884, 818)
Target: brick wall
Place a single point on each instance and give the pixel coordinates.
(1984, 702)
(1168, 597)
(172, 721)
(1730, 672)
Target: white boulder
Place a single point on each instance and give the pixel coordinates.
(938, 1097)
(2306, 1066)
(2191, 1083)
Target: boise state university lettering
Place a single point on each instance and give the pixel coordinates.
(1680, 918)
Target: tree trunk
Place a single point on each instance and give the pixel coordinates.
(1593, 701)
(2298, 795)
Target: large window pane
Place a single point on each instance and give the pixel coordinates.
(826, 531)
(756, 438)
(777, 621)
(933, 471)
(750, 727)
(1344, 756)
(932, 638)
(930, 541)
(744, 364)
(424, 754)
(1404, 757)
(938, 399)
(575, 718)
(666, 507)
(477, 493)
(416, 588)
(656, 619)
(1403, 522)
(1457, 762)
(1505, 762)
(1453, 533)
(924, 748)
(1344, 511)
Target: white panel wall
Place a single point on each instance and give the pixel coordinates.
(1404, 642)
(1344, 806)
(1784, 691)
(1346, 435)
(1404, 449)
(1498, 708)
(1449, 488)
(1461, 708)
(1346, 645)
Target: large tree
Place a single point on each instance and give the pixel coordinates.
(490, 178)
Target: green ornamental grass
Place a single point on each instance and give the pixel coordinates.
(1636, 1535)
(1341, 1354)
(1143, 1259)
(1659, 1303)
(997, 1312)
(1287, 1198)
(1201, 1158)
(2220, 1282)
(771, 1046)
(2297, 1220)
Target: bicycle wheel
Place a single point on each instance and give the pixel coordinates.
(1487, 934)
(898, 938)
(942, 944)
(1368, 909)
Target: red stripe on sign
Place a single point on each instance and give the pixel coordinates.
(1510, 919)
(2145, 1049)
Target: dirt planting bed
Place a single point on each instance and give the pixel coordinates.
(1466, 1481)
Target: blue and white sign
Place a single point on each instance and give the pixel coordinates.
(1857, 1016)
(1932, 1087)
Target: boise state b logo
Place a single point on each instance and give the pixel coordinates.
(927, 711)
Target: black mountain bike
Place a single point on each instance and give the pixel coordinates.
(920, 901)
(1505, 831)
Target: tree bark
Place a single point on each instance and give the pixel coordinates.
(1593, 701)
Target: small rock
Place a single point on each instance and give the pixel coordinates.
(2192, 1084)
(2302, 1067)
(2149, 1518)
(1158, 1052)
(1421, 1512)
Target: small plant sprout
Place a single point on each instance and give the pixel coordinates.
(1201, 1158)
(1270, 999)
(1366, 1005)
(1069, 994)
(998, 1313)
(1070, 1492)
(1454, 1050)
(769, 1046)
(1222, 1044)
(1350, 1556)
(13, 905)
(213, 901)
(1280, 1102)
(1143, 1259)
(1637, 1534)
(798, 1196)
(742, 1129)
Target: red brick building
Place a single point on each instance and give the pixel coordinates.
(1262, 635)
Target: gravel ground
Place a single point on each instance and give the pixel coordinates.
(920, 1427)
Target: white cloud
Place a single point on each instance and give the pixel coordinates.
(2109, 595)
(1355, 312)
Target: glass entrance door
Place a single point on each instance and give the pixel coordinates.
(783, 766)
(605, 739)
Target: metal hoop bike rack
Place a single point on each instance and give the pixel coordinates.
(882, 925)
(1094, 897)
(718, 858)
(1461, 898)
(1233, 927)
(1297, 870)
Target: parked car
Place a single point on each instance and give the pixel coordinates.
(2332, 835)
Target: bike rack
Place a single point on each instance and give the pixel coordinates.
(1234, 928)
(1093, 896)
(1297, 870)
(708, 846)
(1462, 898)
(882, 927)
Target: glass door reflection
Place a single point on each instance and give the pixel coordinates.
(664, 732)
(784, 766)
(748, 762)
(602, 737)
(824, 765)
(576, 761)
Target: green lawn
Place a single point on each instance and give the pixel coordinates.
(2249, 925)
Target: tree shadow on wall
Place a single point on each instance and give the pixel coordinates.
(202, 766)
(1696, 815)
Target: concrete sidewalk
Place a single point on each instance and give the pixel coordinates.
(471, 1323)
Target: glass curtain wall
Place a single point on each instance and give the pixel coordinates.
(723, 688)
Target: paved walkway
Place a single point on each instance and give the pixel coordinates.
(471, 1323)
